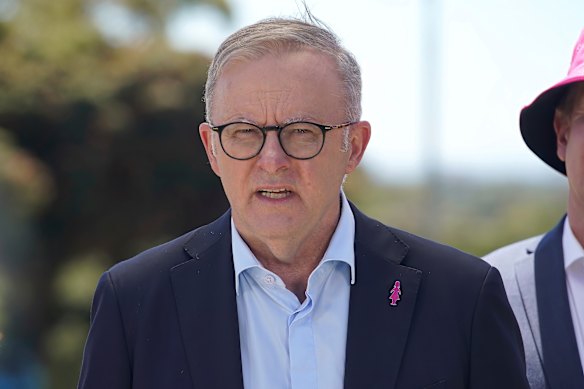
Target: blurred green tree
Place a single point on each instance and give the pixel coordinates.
(106, 161)
(474, 216)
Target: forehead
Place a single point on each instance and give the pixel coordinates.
(578, 91)
(302, 84)
(573, 100)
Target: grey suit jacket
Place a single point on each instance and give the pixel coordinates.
(534, 278)
(516, 264)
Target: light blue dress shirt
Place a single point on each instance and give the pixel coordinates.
(286, 344)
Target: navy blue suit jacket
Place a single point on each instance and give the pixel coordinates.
(167, 318)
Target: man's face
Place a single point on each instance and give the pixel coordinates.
(570, 149)
(273, 196)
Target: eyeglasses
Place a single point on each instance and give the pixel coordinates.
(299, 140)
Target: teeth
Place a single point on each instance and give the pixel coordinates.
(275, 193)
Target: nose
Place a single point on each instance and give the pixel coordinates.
(272, 157)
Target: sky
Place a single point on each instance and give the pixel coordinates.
(443, 80)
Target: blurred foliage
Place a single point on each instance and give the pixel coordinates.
(75, 281)
(26, 182)
(99, 159)
(474, 216)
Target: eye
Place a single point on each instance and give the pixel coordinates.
(241, 131)
(302, 129)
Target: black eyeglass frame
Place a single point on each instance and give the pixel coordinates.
(324, 128)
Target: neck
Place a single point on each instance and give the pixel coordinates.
(295, 276)
(294, 258)
(576, 218)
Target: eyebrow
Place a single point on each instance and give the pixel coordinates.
(296, 119)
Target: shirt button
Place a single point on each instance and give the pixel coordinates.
(269, 279)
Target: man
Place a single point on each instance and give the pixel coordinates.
(294, 287)
(544, 275)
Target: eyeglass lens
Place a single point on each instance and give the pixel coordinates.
(299, 140)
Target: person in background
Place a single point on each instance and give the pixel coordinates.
(294, 287)
(544, 275)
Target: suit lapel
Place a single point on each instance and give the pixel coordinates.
(525, 278)
(204, 290)
(558, 340)
(524, 275)
(377, 332)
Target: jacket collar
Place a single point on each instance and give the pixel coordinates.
(204, 291)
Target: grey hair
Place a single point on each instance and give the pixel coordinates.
(346, 146)
(213, 144)
(278, 35)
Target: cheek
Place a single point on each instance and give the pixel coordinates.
(330, 175)
(575, 146)
(235, 175)
(225, 173)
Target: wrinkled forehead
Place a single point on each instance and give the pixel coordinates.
(276, 50)
(277, 88)
(289, 80)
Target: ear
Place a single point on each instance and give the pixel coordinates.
(359, 139)
(207, 136)
(562, 128)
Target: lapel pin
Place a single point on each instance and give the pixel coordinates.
(394, 294)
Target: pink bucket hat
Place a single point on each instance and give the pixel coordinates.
(537, 119)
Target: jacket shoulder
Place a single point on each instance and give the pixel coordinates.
(165, 255)
(513, 252)
(439, 258)
(439, 263)
(162, 258)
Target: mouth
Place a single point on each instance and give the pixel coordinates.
(275, 194)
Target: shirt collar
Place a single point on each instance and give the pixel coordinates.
(341, 246)
(573, 250)
(243, 258)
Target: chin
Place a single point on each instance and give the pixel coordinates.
(276, 229)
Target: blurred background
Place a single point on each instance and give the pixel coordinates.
(100, 158)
